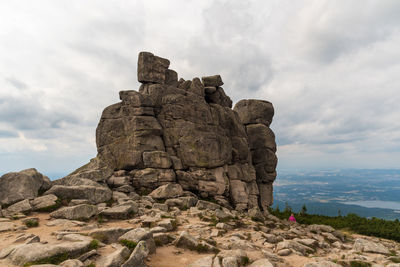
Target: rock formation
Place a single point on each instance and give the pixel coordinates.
(180, 146)
(186, 132)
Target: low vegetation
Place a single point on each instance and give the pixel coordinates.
(50, 260)
(351, 222)
(129, 244)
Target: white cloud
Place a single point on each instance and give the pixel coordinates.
(329, 67)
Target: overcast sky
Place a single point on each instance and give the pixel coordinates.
(331, 69)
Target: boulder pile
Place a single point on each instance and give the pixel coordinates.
(185, 132)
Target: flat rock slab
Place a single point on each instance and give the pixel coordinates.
(7, 226)
(79, 212)
(23, 254)
(94, 194)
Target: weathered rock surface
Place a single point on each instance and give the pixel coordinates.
(24, 254)
(140, 234)
(167, 191)
(94, 194)
(116, 258)
(139, 254)
(257, 116)
(79, 212)
(46, 202)
(26, 184)
(186, 133)
(363, 245)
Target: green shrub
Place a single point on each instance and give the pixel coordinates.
(51, 208)
(359, 264)
(31, 223)
(129, 244)
(94, 244)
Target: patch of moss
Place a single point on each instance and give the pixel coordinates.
(201, 248)
(129, 244)
(52, 207)
(110, 202)
(100, 237)
(359, 264)
(394, 259)
(31, 223)
(244, 260)
(56, 259)
(174, 224)
(94, 244)
(91, 265)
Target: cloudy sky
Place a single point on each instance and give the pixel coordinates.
(331, 69)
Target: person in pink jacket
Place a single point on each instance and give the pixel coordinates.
(292, 218)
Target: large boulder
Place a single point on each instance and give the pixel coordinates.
(78, 212)
(30, 253)
(23, 206)
(252, 111)
(26, 184)
(137, 257)
(140, 234)
(94, 194)
(167, 191)
(151, 68)
(363, 245)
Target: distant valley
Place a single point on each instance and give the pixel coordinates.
(368, 193)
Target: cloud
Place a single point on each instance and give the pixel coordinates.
(329, 68)
(8, 134)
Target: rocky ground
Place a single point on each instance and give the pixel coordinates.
(159, 230)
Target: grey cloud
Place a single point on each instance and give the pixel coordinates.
(340, 28)
(26, 113)
(16, 83)
(8, 134)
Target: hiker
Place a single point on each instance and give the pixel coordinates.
(292, 218)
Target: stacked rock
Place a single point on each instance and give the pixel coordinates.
(257, 115)
(174, 131)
